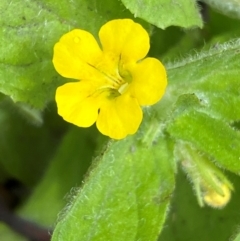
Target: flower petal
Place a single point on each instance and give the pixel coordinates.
(125, 38)
(149, 81)
(119, 117)
(75, 54)
(79, 102)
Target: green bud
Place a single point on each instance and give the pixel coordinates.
(210, 184)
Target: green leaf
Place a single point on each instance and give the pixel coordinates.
(212, 136)
(230, 8)
(203, 96)
(125, 197)
(28, 33)
(25, 149)
(164, 13)
(8, 235)
(188, 221)
(212, 76)
(64, 173)
(237, 238)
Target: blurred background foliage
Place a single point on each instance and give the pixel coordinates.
(43, 160)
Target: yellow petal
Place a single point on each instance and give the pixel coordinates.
(125, 38)
(149, 81)
(79, 102)
(214, 199)
(75, 54)
(119, 117)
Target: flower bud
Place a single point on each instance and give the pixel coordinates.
(210, 184)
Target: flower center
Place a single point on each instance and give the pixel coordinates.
(117, 78)
(116, 84)
(122, 88)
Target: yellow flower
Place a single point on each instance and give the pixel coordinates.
(114, 79)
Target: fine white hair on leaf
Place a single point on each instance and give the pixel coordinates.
(214, 50)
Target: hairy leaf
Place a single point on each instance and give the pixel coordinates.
(164, 13)
(64, 173)
(211, 136)
(29, 30)
(125, 196)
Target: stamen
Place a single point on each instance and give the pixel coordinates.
(115, 82)
(122, 88)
